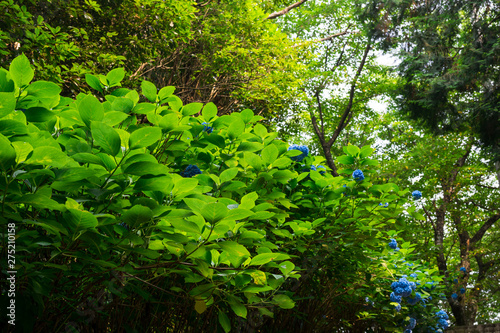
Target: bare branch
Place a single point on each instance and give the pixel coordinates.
(284, 11)
(338, 34)
(351, 97)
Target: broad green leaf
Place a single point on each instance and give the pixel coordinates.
(90, 109)
(185, 225)
(113, 118)
(93, 82)
(46, 92)
(9, 127)
(38, 114)
(353, 150)
(7, 103)
(122, 104)
(184, 185)
(250, 146)
(21, 71)
(146, 168)
(191, 108)
(7, 153)
(236, 128)
(345, 159)
(137, 215)
(286, 267)
(214, 212)
(38, 200)
(283, 301)
(87, 158)
(217, 140)
(224, 321)
(234, 248)
(144, 137)
(169, 122)
(248, 200)
(106, 137)
(238, 308)
(6, 83)
(196, 205)
(23, 149)
(228, 174)
(256, 289)
(149, 90)
(209, 111)
(270, 154)
(48, 156)
(264, 258)
(144, 108)
(80, 220)
(200, 306)
(115, 76)
(366, 151)
(246, 115)
(165, 93)
(254, 160)
(162, 184)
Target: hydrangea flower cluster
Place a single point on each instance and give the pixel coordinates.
(358, 175)
(393, 244)
(321, 167)
(303, 149)
(463, 270)
(384, 205)
(403, 287)
(207, 128)
(462, 290)
(442, 320)
(416, 194)
(411, 325)
(454, 296)
(190, 171)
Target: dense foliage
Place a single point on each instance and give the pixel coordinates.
(137, 212)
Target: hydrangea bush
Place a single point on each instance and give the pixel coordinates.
(133, 213)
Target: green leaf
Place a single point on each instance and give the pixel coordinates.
(236, 128)
(144, 137)
(7, 154)
(38, 114)
(115, 76)
(238, 253)
(353, 150)
(146, 168)
(41, 201)
(191, 108)
(149, 90)
(80, 220)
(7, 103)
(286, 267)
(123, 104)
(9, 127)
(246, 115)
(270, 154)
(21, 71)
(45, 92)
(23, 149)
(106, 137)
(6, 83)
(214, 212)
(185, 225)
(228, 174)
(345, 159)
(137, 215)
(283, 301)
(113, 118)
(238, 308)
(90, 109)
(48, 156)
(93, 82)
(87, 158)
(209, 111)
(264, 258)
(224, 322)
(162, 184)
(366, 151)
(217, 140)
(165, 93)
(248, 200)
(254, 160)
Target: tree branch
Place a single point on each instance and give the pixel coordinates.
(480, 233)
(284, 11)
(351, 97)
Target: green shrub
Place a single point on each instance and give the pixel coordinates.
(116, 230)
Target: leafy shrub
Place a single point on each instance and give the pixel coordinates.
(131, 212)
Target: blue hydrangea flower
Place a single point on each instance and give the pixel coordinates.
(462, 290)
(443, 323)
(455, 281)
(416, 194)
(412, 324)
(313, 168)
(442, 315)
(322, 172)
(393, 244)
(413, 275)
(190, 171)
(403, 287)
(395, 298)
(462, 269)
(303, 149)
(207, 128)
(413, 301)
(398, 307)
(454, 296)
(358, 175)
